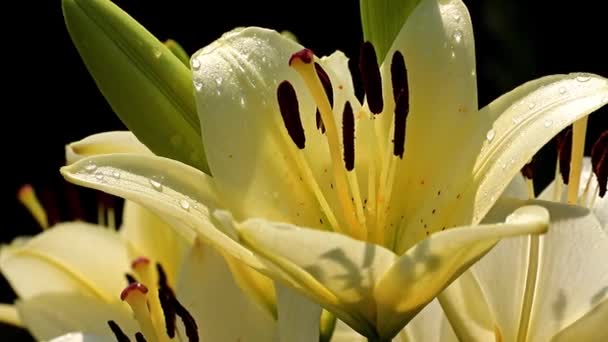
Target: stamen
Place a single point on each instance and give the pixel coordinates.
(326, 83)
(576, 162)
(528, 173)
(118, 333)
(402, 108)
(290, 112)
(136, 296)
(348, 136)
(564, 148)
(175, 307)
(398, 75)
(130, 279)
(310, 77)
(146, 275)
(139, 337)
(320, 124)
(370, 76)
(599, 162)
(27, 197)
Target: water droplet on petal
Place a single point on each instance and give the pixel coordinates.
(90, 167)
(490, 135)
(457, 18)
(184, 204)
(242, 102)
(583, 78)
(562, 90)
(457, 35)
(196, 64)
(156, 185)
(531, 105)
(605, 99)
(453, 54)
(219, 81)
(116, 174)
(548, 123)
(198, 85)
(99, 175)
(516, 120)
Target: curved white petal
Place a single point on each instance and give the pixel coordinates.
(591, 327)
(248, 149)
(170, 188)
(432, 264)
(222, 311)
(103, 143)
(298, 316)
(43, 264)
(346, 268)
(429, 325)
(149, 236)
(80, 337)
(50, 315)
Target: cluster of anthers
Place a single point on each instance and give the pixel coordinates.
(363, 217)
(154, 306)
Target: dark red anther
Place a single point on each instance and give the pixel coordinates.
(290, 112)
(118, 333)
(130, 279)
(326, 82)
(172, 307)
(319, 120)
(304, 55)
(401, 111)
(370, 76)
(398, 75)
(348, 136)
(564, 151)
(599, 161)
(528, 170)
(139, 337)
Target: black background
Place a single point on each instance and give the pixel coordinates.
(51, 100)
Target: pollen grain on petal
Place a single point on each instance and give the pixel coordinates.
(370, 76)
(290, 112)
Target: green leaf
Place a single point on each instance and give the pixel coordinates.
(145, 83)
(178, 51)
(382, 20)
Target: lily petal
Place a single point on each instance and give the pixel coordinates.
(429, 325)
(208, 290)
(249, 152)
(80, 337)
(428, 267)
(76, 268)
(299, 317)
(148, 235)
(51, 315)
(102, 143)
(591, 327)
(525, 126)
(170, 188)
(345, 267)
(438, 46)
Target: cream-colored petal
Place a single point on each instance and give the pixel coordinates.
(429, 325)
(102, 143)
(344, 333)
(9, 315)
(80, 337)
(248, 149)
(148, 235)
(51, 315)
(523, 128)
(222, 311)
(346, 268)
(438, 46)
(299, 317)
(466, 308)
(517, 188)
(432, 264)
(94, 264)
(573, 273)
(169, 188)
(591, 327)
